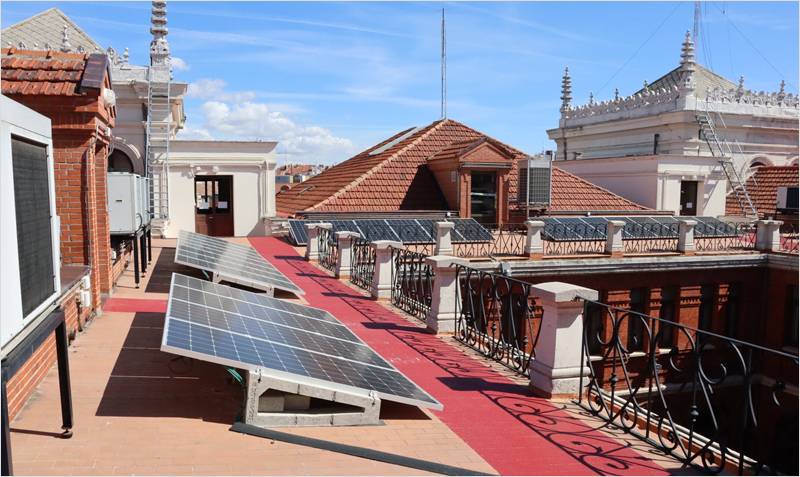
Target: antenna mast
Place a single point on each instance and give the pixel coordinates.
(444, 70)
(696, 31)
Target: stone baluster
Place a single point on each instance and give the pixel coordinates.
(768, 235)
(343, 262)
(444, 243)
(614, 245)
(381, 289)
(686, 236)
(533, 240)
(312, 245)
(441, 318)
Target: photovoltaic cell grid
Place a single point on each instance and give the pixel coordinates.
(287, 340)
(230, 260)
(564, 229)
(403, 230)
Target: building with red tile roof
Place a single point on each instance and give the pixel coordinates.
(432, 168)
(763, 188)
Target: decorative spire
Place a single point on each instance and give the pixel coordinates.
(591, 97)
(782, 92)
(740, 90)
(688, 64)
(645, 84)
(47, 46)
(159, 48)
(22, 46)
(616, 94)
(127, 57)
(65, 46)
(566, 91)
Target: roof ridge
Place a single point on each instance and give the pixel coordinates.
(429, 129)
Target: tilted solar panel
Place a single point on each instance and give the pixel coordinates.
(231, 261)
(276, 338)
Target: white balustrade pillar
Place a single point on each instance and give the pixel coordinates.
(312, 247)
(686, 236)
(343, 266)
(614, 246)
(445, 292)
(382, 279)
(768, 235)
(556, 370)
(444, 244)
(533, 240)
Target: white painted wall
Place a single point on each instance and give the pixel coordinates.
(252, 165)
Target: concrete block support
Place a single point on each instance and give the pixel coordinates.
(273, 402)
(686, 236)
(614, 246)
(441, 318)
(557, 368)
(533, 240)
(444, 242)
(768, 235)
(312, 247)
(342, 270)
(382, 279)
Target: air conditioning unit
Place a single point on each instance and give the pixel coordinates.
(29, 250)
(787, 200)
(535, 178)
(126, 206)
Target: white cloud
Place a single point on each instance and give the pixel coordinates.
(205, 88)
(189, 133)
(235, 97)
(251, 121)
(179, 65)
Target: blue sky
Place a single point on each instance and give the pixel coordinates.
(328, 80)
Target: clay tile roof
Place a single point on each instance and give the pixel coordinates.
(397, 178)
(762, 187)
(45, 73)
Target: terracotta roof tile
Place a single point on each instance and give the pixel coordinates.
(41, 73)
(398, 178)
(762, 187)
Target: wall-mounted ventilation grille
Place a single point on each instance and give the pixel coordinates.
(534, 182)
(34, 232)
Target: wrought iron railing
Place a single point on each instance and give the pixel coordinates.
(789, 238)
(713, 402)
(573, 238)
(362, 263)
(497, 316)
(650, 237)
(725, 237)
(328, 248)
(412, 282)
(509, 240)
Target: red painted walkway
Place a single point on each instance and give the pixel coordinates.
(516, 433)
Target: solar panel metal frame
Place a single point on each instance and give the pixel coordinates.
(263, 301)
(239, 278)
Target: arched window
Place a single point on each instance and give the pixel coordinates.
(118, 161)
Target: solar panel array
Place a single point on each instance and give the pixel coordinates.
(403, 230)
(230, 260)
(565, 229)
(282, 339)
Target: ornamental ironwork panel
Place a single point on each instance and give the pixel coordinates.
(497, 317)
(725, 237)
(651, 237)
(713, 402)
(412, 282)
(328, 247)
(789, 238)
(362, 263)
(507, 240)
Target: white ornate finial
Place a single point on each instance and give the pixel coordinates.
(591, 97)
(566, 91)
(80, 50)
(9, 45)
(127, 57)
(687, 64)
(36, 46)
(741, 81)
(645, 84)
(21, 46)
(616, 94)
(65, 46)
(159, 48)
(783, 86)
(47, 47)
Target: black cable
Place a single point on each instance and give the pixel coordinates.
(188, 361)
(637, 51)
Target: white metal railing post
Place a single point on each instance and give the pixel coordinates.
(381, 289)
(444, 293)
(686, 236)
(444, 244)
(533, 240)
(556, 371)
(768, 235)
(312, 246)
(343, 265)
(614, 245)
